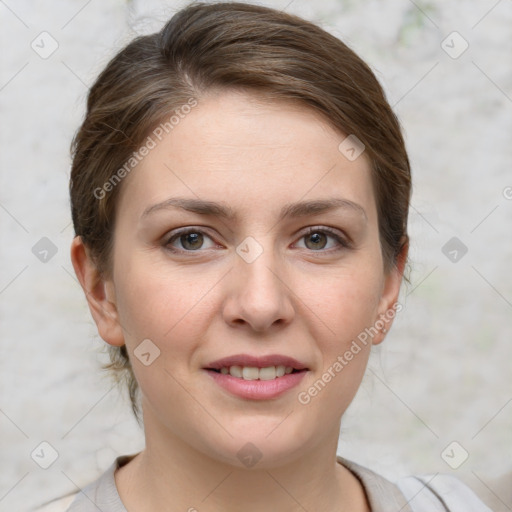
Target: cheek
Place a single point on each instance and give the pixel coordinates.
(348, 303)
(172, 313)
(152, 308)
(170, 308)
(347, 308)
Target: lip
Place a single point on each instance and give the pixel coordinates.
(256, 361)
(257, 389)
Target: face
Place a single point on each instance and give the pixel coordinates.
(217, 255)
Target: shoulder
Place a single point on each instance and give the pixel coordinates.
(422, 493)
(382, 494)
(443, 491)
(99, 495)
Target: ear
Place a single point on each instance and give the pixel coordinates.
(99, 292)
(388, 305)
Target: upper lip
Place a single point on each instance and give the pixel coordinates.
(256, 361)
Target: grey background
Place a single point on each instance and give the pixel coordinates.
(443, 373)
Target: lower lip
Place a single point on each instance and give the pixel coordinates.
(257, 389)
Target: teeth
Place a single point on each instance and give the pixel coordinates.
(268, 373)
(235, 371)
(250, 373)
(253, 373)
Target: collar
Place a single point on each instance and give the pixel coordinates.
(382, 495)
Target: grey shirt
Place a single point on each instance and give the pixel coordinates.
(102, 494)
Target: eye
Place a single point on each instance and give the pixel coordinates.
(190, 239)
(316, 239)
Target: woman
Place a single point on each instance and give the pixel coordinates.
(240, 193)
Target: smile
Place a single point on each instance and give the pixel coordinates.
(252, 377)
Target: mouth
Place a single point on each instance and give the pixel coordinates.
(257, 378)
(247, 367)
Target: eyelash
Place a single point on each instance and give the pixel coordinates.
(343, 243)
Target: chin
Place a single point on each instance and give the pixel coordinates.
(260, 444)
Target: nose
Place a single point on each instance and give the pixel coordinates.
(259, 294)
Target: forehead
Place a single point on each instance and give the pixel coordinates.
(245, 150)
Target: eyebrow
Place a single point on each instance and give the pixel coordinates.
(289, 210)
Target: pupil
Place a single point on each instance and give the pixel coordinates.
(192, 239)
(316, 238)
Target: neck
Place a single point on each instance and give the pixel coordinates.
(170, 471)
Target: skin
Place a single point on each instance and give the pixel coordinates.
(305, 297)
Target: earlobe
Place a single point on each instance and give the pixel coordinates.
(99, 293)
(388, 305)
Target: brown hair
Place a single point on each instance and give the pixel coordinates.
(236, 46)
